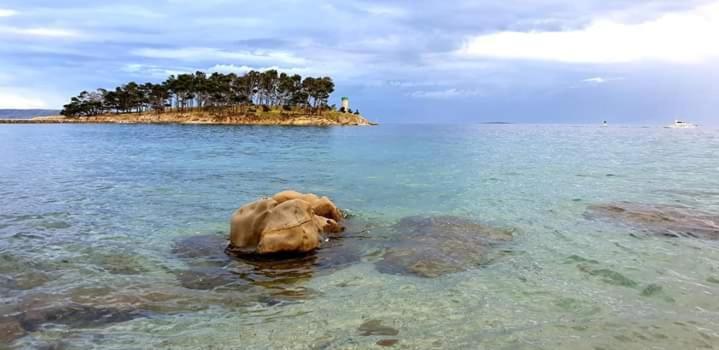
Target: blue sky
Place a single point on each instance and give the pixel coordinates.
(626, 61)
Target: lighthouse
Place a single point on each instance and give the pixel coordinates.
(345, 104)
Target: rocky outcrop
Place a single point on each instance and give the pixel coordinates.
(289, 222)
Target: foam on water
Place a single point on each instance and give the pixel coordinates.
(91, 215)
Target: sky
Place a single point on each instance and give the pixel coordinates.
(543, 61)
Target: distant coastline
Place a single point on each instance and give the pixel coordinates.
(270, 117)
(27, 113)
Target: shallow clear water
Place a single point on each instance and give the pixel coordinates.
(89, 215)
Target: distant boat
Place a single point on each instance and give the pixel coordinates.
(678, 124)
(604, 124)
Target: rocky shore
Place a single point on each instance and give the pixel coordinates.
(327, 118)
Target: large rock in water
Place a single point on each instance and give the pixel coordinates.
(288, 222)
(438, 245)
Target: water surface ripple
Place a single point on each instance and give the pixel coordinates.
(107, 236)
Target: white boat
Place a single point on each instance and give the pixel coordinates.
(678, 124)
(604, 124)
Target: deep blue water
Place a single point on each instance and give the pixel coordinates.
(89, 215)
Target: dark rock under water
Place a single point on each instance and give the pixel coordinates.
(24, 281)
(212, 268)
(434, 246)
(76, 316)
(36, 312)
(375, 327)
(387, 342)
(418, 245)
(657, 219)
(10, 329)
(606, 274)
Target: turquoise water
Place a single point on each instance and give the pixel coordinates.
(90, 216)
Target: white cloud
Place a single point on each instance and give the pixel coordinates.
(17, 100)
(444, 94)
(596, 80)
(7, 13)
(160, 72)
(411, 84)
(205, 54)
(154, 71)
(385, 10)
(599, 80)
(39, 32)
(680, 37)
(379, 43)
(231, 68)
(231, 22)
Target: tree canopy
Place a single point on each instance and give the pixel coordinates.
(217, 91)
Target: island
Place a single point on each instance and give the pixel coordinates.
(254, 98)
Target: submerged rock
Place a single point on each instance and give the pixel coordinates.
(651, 290)
(10, 329)
(375, 327)
(387, 342)
(75, 315)
(289, 268)
(120, 263)
(209, 248)
(208, 279)
(289, 222)
(666, 220)
(24, 281)
(19, 272)
(434, 246)
(205, 254)
(211, 268)
(36, 311)
(608, 276)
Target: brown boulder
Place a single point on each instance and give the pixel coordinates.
(322, 206)
(289, 222)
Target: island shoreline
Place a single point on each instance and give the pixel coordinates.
(328, 119)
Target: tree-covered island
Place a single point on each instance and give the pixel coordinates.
(268, 97)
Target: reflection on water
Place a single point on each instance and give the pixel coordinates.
(113, 237)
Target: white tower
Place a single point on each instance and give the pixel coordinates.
(346, 103)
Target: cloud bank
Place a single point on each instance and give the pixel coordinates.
(39, 32)
(424, 59)
(682, 37)
(10, 98)
(7, 12)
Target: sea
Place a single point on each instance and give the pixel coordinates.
(113, 236)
